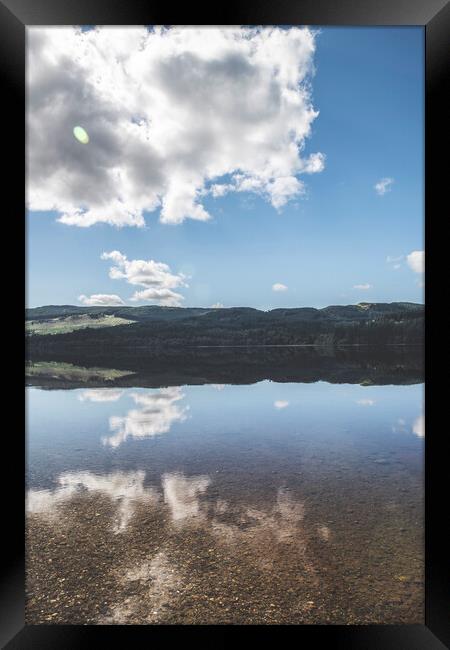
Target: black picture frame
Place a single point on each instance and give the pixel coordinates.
(434, 16)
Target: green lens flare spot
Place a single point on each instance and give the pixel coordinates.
(81, 135)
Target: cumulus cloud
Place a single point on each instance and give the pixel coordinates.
(278, 286)
(101, 300)
(363, 287)
(416, 261)
(156, 278)
(217, 305)
(384, 185)
(281, 404)
(365, 402)
(171, 116)
(164, 297)
(315, 163)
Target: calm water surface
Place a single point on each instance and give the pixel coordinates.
(262, 503)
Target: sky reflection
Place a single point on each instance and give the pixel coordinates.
(158, 411)
(184, 500)
(271, 500)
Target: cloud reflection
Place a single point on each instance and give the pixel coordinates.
(279, 524)
(419, 426)
(127, 490)
(324, 532)
(182, 495)
(160, 581)
(100, 395)
(159, 411)
(281, 404)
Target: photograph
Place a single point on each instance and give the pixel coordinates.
(225, 308)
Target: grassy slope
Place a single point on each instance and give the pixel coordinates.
(63, 325)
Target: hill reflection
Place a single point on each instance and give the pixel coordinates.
(190, 366)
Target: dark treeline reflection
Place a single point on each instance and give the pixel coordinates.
(174, 367)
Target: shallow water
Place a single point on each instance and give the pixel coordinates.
(262, 503)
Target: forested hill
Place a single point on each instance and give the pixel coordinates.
(152, 326)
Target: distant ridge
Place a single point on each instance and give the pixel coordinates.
(151, 311)
(154, 326)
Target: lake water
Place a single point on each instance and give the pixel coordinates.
(272, 502)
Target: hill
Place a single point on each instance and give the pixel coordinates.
(119, 328)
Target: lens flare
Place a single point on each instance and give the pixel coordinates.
(81, 135)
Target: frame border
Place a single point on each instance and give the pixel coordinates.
(434, 16)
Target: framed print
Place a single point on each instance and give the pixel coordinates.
(228, 330)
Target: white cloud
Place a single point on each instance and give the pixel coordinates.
(164, 297)
(384, 185)
(392, 258)
(395, 261)
(365, 402)
(281, 404)
(171, 115)
(315, 163)
(278, 286)
(101, 299)
(156, 278)
(220, 190)
(277, 191)
(363, 287)
(217, 305)
(416, 261)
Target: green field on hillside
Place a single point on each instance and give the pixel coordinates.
(73, 323)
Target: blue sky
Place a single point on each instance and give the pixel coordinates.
(341, 233)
